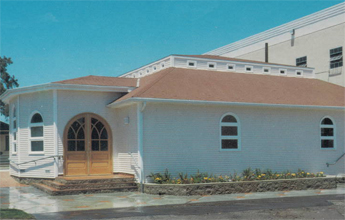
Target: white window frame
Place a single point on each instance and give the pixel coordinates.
(328, 137)
(162, 65)
(285, 72)
(233, 67)
(13, 145)
(299, 71)
(147, 71)
(263, 70)
(154, 68)
(238, 137)
(212, 63)
(31, 125)
(248, 71)
(191, 61)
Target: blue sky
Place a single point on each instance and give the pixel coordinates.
(56, 40)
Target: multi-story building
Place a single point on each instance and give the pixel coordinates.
(316, 40)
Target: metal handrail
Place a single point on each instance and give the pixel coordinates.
(135, 161)
(31, 161)
(335, 161)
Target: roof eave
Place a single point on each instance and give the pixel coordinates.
(6, 96)
(199, 102)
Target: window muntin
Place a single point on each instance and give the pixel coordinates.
(336, 57)
(229, 132)
(302, 61)
(327, 133)
(14, 130)
(36, 134)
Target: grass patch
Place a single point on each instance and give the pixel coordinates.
(14, 214)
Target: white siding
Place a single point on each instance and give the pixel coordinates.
(185, 138)
(126, 141)
(72, 103)
(29, 103)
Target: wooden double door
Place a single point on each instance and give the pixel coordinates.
(87, 146)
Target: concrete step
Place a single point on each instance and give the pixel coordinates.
(95, 180)
(61, 186)
(54, 192)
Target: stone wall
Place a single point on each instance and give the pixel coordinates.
(240, 187)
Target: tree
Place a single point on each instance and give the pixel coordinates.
(6, 82)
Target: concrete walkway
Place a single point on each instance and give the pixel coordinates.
(33, 201)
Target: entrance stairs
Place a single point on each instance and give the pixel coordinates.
(88, 184)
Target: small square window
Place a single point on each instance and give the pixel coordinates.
(191, 63)
(249, 68)
(282, 71)
(299, 73)
(302, 61)
(266, 70)
(211, 65)
(231, 66)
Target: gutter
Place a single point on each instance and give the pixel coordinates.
(197, 102)
(6, 96)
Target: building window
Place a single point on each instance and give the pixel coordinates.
(162, 65)
(211, 65)
(302, 61)
(14, 130)
(249, 68)
(191, 63)
(7, 144)
(336, 57)
(282, 71)
(299, 72)
(231, 66)
(36, 134)
(327, 133)
(266, 70)
(230, 133)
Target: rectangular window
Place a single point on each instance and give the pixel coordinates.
(7, 140)
(336, 57)
(37, 131)
(211, 65)
(302, 61)
(249, 69)
(231, 66)
(327, 143)
(36, 146)
(266, 70)
(229, 130)
(191, 63)
(282, 71)
(229, 144)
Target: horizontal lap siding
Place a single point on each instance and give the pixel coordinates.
(72, 103)
(126, 140)
(185, 138)
(41, 102)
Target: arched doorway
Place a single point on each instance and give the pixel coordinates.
(87, 146)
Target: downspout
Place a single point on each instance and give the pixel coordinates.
(140, 109)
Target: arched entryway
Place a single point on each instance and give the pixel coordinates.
(87, 146)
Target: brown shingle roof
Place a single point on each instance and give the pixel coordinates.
(101, 81)
(231, 59)
(205, 85)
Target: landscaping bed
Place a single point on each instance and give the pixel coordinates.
(240, 187)
(248, 181)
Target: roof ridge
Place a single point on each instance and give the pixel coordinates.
(156, 81)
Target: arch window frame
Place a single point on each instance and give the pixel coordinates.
(324, 137)
(14, 135)
(36, 138)
(237, 137)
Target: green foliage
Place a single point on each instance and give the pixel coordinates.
(247, 175)
(6, 82)
(14, 214)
